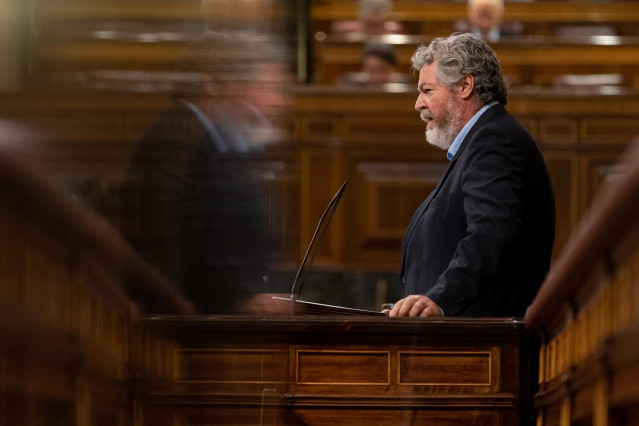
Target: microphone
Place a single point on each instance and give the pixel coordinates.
(332, 205)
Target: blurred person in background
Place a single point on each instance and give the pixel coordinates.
(379, 64)
(485, 20)
(190, 200)
(374, 19)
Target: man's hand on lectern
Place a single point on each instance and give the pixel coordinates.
(415, 305)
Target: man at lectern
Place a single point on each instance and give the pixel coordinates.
(481, 242)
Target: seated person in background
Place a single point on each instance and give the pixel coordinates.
(485, 20)
(374, 19)
(379, 62)
(190, 201)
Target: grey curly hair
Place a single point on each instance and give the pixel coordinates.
(462, 54)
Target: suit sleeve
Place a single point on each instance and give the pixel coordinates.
(492, 187)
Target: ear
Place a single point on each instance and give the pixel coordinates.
(466, 87)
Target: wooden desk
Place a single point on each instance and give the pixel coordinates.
(344, 370)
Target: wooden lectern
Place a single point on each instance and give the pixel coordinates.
(346, 370)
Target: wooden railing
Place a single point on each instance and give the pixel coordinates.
(71, 292)
(586, 313)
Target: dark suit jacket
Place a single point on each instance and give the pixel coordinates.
(481, 243)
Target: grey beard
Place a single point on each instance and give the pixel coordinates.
(443, 136)
(440, 139)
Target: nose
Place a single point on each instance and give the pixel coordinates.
(420, 104)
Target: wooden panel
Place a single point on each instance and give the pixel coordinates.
(531, 124)
(385, 128)
(91, 128)
(563, 170)
(385, 196)
(319, 128)
(356, 417)
(445, 368)
(594, 169)
(558, 130)
(609, 130)
(320, 179)
(342, 367)
(232, 365)
(395, 190)
(347, 370)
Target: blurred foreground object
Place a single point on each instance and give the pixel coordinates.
(71, 292)
(191, 204)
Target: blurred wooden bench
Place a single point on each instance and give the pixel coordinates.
(533, 60)
(437, 17)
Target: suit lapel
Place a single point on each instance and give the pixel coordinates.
(422, 209)
(485, 117)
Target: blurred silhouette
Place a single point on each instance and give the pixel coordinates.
(191, 205)
(379, 63)
(485, 20)
(374, 19)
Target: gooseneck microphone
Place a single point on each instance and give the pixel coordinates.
(326, 217)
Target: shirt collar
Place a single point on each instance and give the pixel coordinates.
(464, 131)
